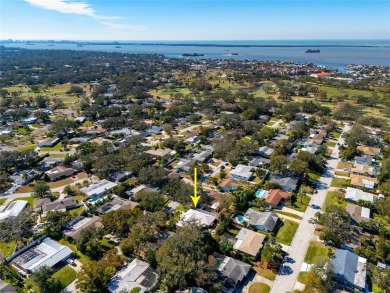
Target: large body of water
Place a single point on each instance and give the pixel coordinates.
(334, 53)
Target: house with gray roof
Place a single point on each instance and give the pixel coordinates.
(350, 269)
(241, 172)
(265, 151)
(6, 288)
(233, 272)
(259, 162)
(287, 183)
(264, 221)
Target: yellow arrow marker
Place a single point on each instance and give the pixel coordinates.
(195, 198)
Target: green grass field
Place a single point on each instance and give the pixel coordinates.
(314, 176)
(301, 206)
(286, 232)
(302, 277)
(335, 198)
(7, 248)
(27, 147)
(66, 275)
(30, 199)
(330, 144)
(2, 200)
(340, 182)
(57, 147)
(315, 250)
(266, 273)
(259, 288)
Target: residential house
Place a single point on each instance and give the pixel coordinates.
(184, 165)
(354, 195)
(98, 188)
(349, 269)
(30, 120)
(23, 177)
(13, 210)
(116, 204)
(249, 241)
(371, 151)
(50, 162)
(358, 214)
(233, 272)
(153, 130)
(241, 172)
(49, 142)
(276, 196)
(264, 221)
(46, 252)
(344, 167)
(363, 181)
(363, 160)
(60, 205)
(137, 274)
(228, 184)
(203, 156)
(120, 176)
(161, 153)
(59, 172)
(365, 170)
(287, 183)
(76, 226)
(259, 162)
(310, 149)
(204, 218)
(265, 151)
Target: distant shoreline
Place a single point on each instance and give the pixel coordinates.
(178, 44)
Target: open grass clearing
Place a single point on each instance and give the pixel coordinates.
(335, 198)
(8, 248)
(286, 233)
(340, 182)
(259, 288)
(65, 275)
(301, 203)
(316, 249)
(266, 273)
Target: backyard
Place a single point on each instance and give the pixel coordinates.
(66, 275)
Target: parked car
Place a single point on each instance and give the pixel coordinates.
(71, 262)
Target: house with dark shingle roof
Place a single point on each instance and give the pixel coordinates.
(349, 269)
(233, 272)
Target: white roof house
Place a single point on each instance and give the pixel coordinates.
(241, 172)
(136, 274)
(13, 210)
(47, 253)
(204, 218)
(98, 188)
(354, 194)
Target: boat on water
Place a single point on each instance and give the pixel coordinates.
(234, 54)
(312, 51)
(118, 47)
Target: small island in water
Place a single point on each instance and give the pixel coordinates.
(312, 51)
(192, 55)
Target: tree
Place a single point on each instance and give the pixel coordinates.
(272, 255)
(278, 163)
(336, 225)
(150, 200)
(119, 222)
(62, 126)
(41, 189)
(184, 259)
(95, 276)
(88, 243)
(382, 279)
(152, 175)
(44, 282)
(298, 166)
(74, 89)
(319, 279)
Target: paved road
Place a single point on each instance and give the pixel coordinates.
(288, 272)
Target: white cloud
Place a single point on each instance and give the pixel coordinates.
(120, 26)
(66, 6)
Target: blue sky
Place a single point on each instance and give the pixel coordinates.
(194, 20)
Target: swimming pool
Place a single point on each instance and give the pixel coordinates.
(260, 193)
(95, 199)
(240, 219)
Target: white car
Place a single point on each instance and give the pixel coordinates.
(71, 262)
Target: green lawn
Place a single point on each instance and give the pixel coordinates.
(335, 198)
(7, 248)
(57, 147)
(287, 214)
(302, 277)
(268, 274)
(340, 182)
(77, 211)
(334, 134)
(339, 173)
(300, 206)
(83, 258)
(314, 176)
(376, 289)
(66, 275)
(2, 200)
(27, 147)
(315, 250)
(330, 143)
(30, 200)
(286, 232)
(259, 288)
(106, 243)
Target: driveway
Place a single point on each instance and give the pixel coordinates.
(288, 272)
